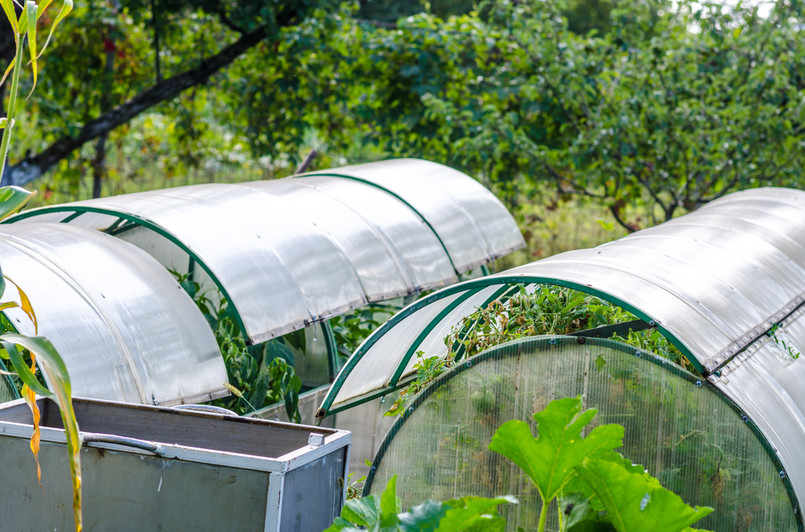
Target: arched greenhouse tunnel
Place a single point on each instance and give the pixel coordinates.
(718, 412)
(272, 261)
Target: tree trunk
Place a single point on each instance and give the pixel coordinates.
(31, 168)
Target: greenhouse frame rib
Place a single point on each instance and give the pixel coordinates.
(725, 284)
(286, 253)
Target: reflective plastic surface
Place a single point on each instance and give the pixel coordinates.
(292, 251)
(716, 282)
(683, 434)
(126, 330)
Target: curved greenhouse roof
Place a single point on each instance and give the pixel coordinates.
(125, 328)
(292, 251)
(725, 284)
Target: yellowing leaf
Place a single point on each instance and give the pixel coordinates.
(56, 373)
(11, 15)
(30, 11)
(25, 305)
(66, 7)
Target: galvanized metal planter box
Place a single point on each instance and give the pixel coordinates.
(151, 468)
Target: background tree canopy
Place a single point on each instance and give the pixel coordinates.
(658, 103)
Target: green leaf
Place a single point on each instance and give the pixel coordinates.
(26, 375)
(389, 502)
(550, 459)
(474, 513)
(581, 516)
(425, 516)
(363, 511)
(66, 7)
(13, 199)
(30, 11)
(55, 370)
(11, 15)
(637, 501)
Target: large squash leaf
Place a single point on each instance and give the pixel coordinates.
(550, 459)
(637, 501)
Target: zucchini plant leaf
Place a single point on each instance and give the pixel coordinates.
(550, 459)
(474, 514)
(637, 501)
(369, 512)
(13, 199)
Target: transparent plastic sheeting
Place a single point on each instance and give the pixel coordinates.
(686, 435)
(714, 282)
(126, 330)
(292, 251)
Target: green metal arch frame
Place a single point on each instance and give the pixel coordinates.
(398, 197)
(544, 341)
(134, 219)
(474, 286)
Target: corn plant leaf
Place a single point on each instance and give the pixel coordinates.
(3, 121)
(27, 376)
(30, 16)
(2, 285)
(550, 459)
(30, 399)
(42, 7)
(66, 7)
(637, 501)
(13, 199)
(55, 370)
(25, 305)
(11, 15)
(7, 305)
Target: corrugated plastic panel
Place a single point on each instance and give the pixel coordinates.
(714, 282)
(126, 330)
(685, 435)
(289, 252)
(473, 225)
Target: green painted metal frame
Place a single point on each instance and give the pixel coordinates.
(546, 342)
(504, 293)
(475, 285)
(424, 334)
(137, 221)
(332, 348)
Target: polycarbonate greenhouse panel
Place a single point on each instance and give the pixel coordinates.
(473, 225)
(389, 352)
(126, 330)
(288, 252)
(682, 431)
(717, 283)
(391, 248)
(767, 381)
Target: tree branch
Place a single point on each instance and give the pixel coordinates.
(30, 168)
